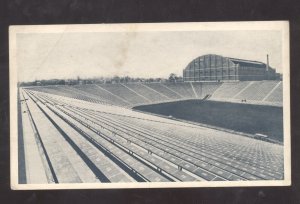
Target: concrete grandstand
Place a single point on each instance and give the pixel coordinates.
(90, 133)
(128, 95)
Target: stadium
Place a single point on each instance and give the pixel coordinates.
(223, 122)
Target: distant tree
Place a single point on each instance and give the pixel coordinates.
(61, 82)
(122, 79)
(116, 79)
(127, 79)
(179, 79)
(173, 77)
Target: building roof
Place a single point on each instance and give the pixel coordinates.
(251, 63)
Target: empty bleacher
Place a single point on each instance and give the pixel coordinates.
(215, 147)
(229, 90)
(125, 93)
(146, 92)
(84, 93)
(205, 88)
(183, 89)
(57, 90)
(102, 94)
(254, 92)
(159, 87)
(276, 95)
(257, 90)
(66, 92)
(133, 94)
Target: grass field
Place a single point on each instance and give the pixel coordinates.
(267, 120)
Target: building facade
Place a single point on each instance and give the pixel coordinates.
(218, 68)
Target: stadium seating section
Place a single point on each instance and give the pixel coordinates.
(133, 94)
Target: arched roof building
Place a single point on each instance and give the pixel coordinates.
(218, 68)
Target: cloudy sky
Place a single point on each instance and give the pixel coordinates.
(136, 54)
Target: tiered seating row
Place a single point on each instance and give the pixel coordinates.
(110, 133)
(179, 174)
(159, 87)
(111, 148)
(276, 95)
(146, 92)
(65, 91)
(207, 88)
(102, 94)
(182, 89)
(246, 157)
(257, 90)
(185, 154)
(211, 149)
(125, 93)
(229, 90)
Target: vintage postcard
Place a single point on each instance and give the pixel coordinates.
(156, 105)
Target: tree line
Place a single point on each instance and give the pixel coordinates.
(102, 80)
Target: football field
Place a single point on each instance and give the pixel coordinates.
(247, 118)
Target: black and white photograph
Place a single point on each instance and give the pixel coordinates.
(150, 105)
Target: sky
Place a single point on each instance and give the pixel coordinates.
(136, 54)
